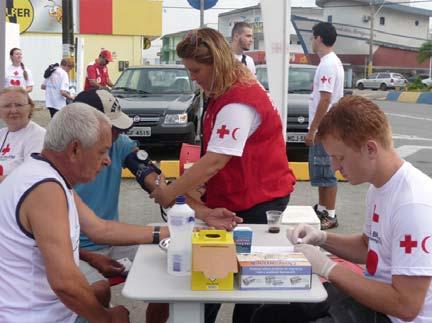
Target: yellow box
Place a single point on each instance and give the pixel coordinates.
(214, 260)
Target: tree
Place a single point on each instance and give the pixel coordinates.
(425, 52)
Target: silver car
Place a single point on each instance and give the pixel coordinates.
(382, 81)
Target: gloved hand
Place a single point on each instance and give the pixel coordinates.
(304, 233)
(321, 264)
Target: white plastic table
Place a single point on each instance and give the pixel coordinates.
(149, 281)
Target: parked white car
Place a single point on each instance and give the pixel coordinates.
(427, 81)
(382, 81)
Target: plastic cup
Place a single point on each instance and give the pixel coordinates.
(273, 220)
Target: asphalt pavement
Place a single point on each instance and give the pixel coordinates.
(411, 124)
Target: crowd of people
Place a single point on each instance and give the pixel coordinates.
(68, 177)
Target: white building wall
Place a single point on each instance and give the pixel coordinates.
(396, 22)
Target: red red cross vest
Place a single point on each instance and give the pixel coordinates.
(262, 173)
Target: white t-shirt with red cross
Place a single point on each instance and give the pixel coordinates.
(329, 77)
(16, 147)
(15, 77)
(399, 227)
(234, 124)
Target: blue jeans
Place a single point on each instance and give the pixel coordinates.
(320, 167)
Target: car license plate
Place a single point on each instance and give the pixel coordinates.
(295, 137)
(140, 132)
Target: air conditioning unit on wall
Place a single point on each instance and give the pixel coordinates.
(366, 18)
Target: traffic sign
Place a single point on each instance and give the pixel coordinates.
(207, 4)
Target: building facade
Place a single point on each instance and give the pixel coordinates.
(125, 27)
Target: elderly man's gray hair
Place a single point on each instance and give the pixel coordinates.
(75, 121)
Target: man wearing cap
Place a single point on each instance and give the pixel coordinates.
(102, 194)
(97, 73)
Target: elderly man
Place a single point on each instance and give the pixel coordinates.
(40, 222)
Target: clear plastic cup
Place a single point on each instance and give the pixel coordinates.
(273, 220)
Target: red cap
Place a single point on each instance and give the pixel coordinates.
(107, 55)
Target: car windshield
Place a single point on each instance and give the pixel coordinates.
(154, 81)
(300, 79)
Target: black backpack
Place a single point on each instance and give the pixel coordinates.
(50, 69)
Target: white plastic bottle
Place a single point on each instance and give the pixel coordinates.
(181, 220)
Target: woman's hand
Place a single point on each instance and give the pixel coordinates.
(160, 195)
(221, 218)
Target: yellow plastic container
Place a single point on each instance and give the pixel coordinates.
(214, 260)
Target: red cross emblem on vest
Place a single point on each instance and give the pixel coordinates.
(408, 244)
(222, 131)
(5, 150)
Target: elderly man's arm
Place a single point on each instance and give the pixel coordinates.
(112, 232)
(44, 213)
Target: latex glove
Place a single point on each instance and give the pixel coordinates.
(305, 233)
(221, 218)
(106, 265)
(321, 264)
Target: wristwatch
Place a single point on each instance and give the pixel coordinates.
(156, 234)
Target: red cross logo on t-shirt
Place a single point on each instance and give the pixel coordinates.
(408, 244)
(222, 131)
(375, 216)
(15, 73)
(5, 150)
(325, 79)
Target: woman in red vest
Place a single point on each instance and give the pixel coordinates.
(244, 166)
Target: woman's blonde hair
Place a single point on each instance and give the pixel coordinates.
(207, 46)
(21, 90)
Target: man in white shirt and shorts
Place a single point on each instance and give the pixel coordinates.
(327, 89)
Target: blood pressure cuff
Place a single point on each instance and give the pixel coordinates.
(140, 165)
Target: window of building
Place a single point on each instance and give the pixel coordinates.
(416, 23)
(382, 21)
(330, 18)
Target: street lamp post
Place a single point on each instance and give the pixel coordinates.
(373, 14)
(371, 36)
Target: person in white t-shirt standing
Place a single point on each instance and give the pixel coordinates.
(241, 41)
(16, 73)
(395, 244)
(327, 89)
(57, 86)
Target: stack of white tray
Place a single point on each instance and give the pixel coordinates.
(295, 214)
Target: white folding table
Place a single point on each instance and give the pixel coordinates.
(149, 281)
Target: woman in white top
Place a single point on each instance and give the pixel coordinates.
(16, 73)
(21, 136)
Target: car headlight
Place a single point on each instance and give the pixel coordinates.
(181, 118)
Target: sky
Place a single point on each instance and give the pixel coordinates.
(178, 15)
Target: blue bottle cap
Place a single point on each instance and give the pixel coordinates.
(181, 199)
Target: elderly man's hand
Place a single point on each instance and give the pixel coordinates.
(321, 264)
(106, 265)
(221, 218)
(119, 314)
(304, 233)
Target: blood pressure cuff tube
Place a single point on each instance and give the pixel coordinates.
(140, 167)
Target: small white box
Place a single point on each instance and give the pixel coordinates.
(296, 214)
